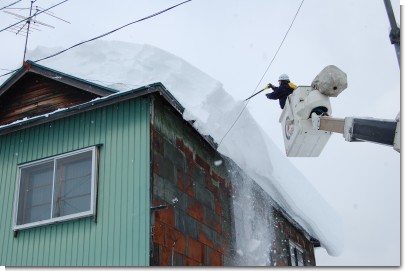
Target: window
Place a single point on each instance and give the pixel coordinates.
(56, 189)
(296, 255)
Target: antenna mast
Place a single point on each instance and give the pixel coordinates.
(19, 27)
(28, 30)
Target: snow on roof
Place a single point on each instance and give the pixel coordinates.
(124, 66)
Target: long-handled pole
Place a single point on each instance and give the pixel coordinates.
(255, 94)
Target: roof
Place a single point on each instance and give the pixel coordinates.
(32, 67)
(109, 96)
(96, 103)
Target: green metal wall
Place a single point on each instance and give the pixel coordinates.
(120, 236)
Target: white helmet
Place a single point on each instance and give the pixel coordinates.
(283, 77)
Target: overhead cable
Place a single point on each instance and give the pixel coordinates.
(112, 31)
(103, 35)
(264, 74)
(10, 5)
(28, 18)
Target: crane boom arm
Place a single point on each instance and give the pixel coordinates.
(380, 131)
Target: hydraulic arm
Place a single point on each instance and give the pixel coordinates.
(380, 131)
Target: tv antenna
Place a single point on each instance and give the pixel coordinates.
(30, 23)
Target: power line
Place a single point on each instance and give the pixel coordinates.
(28, 18)
(10, 72)
(103, 35)
(27, 26)
(264, 74)
(112, 31)
(10, 4)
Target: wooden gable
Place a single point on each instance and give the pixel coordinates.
(36, 90)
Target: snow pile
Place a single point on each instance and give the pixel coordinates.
(125, 66)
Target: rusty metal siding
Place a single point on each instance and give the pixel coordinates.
(120, 235)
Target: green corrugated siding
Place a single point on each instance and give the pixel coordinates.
(120, 237)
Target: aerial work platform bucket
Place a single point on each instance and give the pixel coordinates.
(300, 138)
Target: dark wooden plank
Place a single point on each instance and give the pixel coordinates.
(35, 95)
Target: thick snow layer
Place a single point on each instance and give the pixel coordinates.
(125, 66)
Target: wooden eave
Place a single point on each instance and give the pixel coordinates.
(93, 104)
(31, 67)
(36, 90)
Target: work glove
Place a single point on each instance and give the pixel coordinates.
(269, 85)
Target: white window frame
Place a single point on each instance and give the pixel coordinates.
(94, 176)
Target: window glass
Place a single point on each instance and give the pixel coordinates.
(55, 189)
(35, 193)
(72, 190)
(300, 258)
(292, 255)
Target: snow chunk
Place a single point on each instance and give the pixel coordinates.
(218, 163)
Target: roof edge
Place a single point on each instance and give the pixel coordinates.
(30, 66)
(116, 97)
(95, 103)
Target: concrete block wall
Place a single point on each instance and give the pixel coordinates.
(197, 230)
(200, 228)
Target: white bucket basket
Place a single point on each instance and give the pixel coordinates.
(300, 138)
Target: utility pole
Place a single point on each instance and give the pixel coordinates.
(395, 31)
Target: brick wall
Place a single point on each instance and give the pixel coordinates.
(213, 221)
(197, 229)
(286, 232)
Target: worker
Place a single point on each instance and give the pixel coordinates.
(281, 92)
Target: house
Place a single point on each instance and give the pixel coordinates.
(94, 177)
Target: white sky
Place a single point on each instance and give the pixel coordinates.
(233, 42)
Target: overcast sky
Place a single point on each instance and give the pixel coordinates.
(234, 41)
